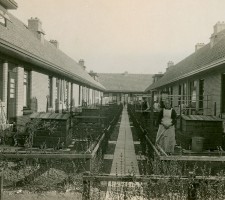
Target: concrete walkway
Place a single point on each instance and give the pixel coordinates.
(124, 159)
(124, 163)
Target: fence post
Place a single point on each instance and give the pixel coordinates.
(1, 187)
(214, 108)
(86, 187)
(152, 111)
(192, 187)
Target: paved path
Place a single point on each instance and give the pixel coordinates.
(124, 159)
(124, 163)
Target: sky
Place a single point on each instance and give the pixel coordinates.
(138, 36)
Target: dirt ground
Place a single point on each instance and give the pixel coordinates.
(53, 195)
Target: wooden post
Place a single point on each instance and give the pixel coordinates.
(180, 116)
(214, 108)
(86, 187)
(152, 112)
(1, 187)
(192, 188)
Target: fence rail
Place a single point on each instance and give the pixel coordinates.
(192, 181)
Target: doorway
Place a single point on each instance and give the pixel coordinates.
(11, 96)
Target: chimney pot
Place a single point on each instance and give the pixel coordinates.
(55, 43)
(199, 46)
(169, 64)
(218, 27)
(81, 63)
(35, 26)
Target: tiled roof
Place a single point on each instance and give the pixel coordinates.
(203, 59)
(115, 82)
(17, 37)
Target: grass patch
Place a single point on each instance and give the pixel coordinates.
(115, 133)
(135, 134)
(144, 167)
(106, 166)
(110, 148)
(137, 148)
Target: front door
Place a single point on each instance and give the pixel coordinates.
(11, 96)
(223, 94)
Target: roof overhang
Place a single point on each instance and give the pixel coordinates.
(194, 72)
(9, 4)
(123, 91)
(20, 54)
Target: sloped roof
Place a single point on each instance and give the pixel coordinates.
(203, 59)
(18, 39)
(115, 82)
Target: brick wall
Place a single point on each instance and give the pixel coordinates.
(175, 100)
(39, 89)
(212, 87)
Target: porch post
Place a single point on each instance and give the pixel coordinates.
(5, 86)
(19, 91)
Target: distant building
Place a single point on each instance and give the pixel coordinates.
(198, 80)
(35, 75)
(123, 87)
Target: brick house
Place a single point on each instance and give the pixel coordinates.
(199, 79)
(123, 87)
(35, 75)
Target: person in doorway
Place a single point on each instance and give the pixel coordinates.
(165, 137)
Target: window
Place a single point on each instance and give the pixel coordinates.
(184, 93)
(171, 93)
(201, 93)
(50, 93)
(26, 88)
(179, 93)
(193, 91)
(67, 95)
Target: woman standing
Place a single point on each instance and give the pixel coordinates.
(165, 137)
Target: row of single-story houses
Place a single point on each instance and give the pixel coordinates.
(35, 75)
(198, 81)
(124, 87)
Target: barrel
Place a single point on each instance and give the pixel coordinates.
(197, 144)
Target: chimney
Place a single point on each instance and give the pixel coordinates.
(81, 63)
(94, 75)
(55, 43)
(218, 27)
(169, 64)
(199, 46)
(35, 26)
(156, 77)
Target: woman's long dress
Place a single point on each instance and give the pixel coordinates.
(166, 137)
